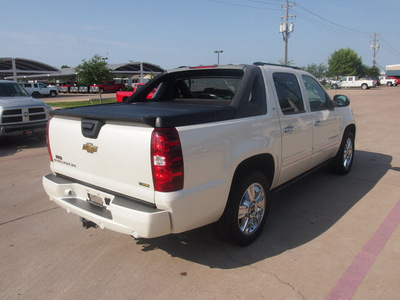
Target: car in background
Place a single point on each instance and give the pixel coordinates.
(389, 81)
(74, 89)
(107, 87)
(84, 89)
(38, 89)
(64, 88)
(21, 114)
(122, 95)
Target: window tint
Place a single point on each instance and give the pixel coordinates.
(317, 97)
(289, 94)
(218, 88)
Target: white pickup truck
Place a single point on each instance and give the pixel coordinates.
(40, 89)
(207, 148)
(385, 80)
(353, 82)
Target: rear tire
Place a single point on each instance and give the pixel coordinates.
(364, 86)
(246, 210)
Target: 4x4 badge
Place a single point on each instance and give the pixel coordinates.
(89, 148)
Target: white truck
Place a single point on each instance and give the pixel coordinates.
(385, 80)
(39, 89)
(206, 148)
(20, 114)
(353, 82)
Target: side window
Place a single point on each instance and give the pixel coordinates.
(317, 97)
(35, 85)
(289, 94)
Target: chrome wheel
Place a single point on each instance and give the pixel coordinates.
(251, 209)
(348, 153)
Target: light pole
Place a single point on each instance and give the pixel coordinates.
(218, 52)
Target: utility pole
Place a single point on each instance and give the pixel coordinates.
(287, 28)
(375, 47)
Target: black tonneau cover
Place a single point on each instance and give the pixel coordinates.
(155, 114)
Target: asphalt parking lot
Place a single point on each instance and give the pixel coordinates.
(327, 237)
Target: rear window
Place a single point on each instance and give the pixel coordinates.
(212, 88)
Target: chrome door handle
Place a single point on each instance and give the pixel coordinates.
(288, 129)
(317, 123)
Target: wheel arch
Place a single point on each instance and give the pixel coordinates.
(351, 128)
(262, 162)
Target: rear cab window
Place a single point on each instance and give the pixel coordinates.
(242, 88)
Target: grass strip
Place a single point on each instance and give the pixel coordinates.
(80, 103)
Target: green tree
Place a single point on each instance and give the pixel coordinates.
(93, 71)
(318, 71)
(345, 62)
(65, 67)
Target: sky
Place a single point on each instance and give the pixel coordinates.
(173, 33)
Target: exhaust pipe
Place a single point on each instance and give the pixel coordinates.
(88, 224)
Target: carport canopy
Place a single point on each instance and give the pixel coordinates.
(16, 67)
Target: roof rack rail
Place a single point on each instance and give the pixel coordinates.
(276, 65)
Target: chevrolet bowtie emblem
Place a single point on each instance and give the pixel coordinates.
(89, 148)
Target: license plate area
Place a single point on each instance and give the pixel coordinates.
(96, 200)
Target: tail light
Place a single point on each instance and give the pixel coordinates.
(47, 140)
(167, 160)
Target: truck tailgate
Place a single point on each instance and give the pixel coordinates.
(117, 160)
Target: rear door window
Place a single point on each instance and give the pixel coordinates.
(289, 93)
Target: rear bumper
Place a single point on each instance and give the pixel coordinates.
(116, 213)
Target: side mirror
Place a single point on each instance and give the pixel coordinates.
(341, 100)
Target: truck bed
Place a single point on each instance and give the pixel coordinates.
(156, 114)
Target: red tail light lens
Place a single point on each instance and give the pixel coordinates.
(167, 160)
(47, 140)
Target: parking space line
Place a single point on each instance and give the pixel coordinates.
(356, 272)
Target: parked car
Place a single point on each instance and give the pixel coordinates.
(354, 82)
(107, 87)
(64, 88)
(207, 148)
(38, 89)
(122, 95)
(389, 81)
(83, 89)
(21, 114)
(74, 89)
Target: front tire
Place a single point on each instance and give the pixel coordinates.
(247, 209)
(343, 160)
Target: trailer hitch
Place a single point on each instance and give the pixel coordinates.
(88, 224)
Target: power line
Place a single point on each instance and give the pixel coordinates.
(245, 5)
(330, 24)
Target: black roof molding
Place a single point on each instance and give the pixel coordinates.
(276, 65)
